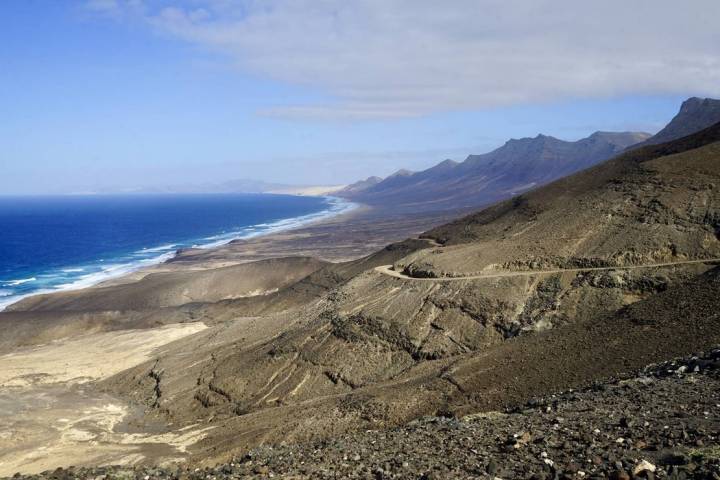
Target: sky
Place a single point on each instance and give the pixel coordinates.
(97, 95)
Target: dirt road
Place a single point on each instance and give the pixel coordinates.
(388, 270)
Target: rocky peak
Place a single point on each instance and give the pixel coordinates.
(401, 173)
(695, 114)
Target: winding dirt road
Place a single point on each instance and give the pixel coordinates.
(388, 270)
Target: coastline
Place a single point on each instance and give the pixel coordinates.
(135, 269)
(345, 235)
(196, 300)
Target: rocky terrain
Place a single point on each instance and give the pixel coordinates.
(167, 289)
(365, 350)
(661, 422)
(392, 364)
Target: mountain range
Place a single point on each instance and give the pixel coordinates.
(517, 166)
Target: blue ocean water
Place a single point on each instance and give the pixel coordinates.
(63, 242)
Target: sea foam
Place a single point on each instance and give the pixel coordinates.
(15, 283)
(74, 277)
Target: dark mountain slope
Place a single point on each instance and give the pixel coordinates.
(482, 179)
(520, 165)
(359, 186)
(695, 114)
(471, 227)
(654, 204)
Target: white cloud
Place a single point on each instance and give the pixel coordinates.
(390, 58)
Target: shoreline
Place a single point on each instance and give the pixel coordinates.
(345, 235)
(114, 273)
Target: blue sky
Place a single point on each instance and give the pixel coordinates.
(125, 93)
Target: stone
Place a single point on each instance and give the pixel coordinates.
(644, 466)
(674, 458)
(491, 467)
(261, 470)
(620, 475)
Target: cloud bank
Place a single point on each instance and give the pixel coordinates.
(398, 58)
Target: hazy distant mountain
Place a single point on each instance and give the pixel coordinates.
(241, 186)
(234, 186)
(695, 114)
(361, 185)
(481, 179)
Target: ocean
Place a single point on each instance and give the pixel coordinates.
(52, 243)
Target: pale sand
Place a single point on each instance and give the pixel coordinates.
(50, 415)
(88, 357)
(314, 191)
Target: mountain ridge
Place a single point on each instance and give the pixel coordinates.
(694, 115)
(517, 165)
(521, 164)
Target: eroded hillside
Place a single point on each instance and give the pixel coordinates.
(653, 205)
(579, 281)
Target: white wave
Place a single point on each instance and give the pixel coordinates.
(113, 271)
(110, 271)
(5, 293)
(337, 207)
(107, 273)
(73, 270)
(15, 283)
(161, 248)
(9, 300)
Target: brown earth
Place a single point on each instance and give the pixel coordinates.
(376, 351)
(348, 348)
(214, 283)
(169, 289)
(661, 422)
(656, 204)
